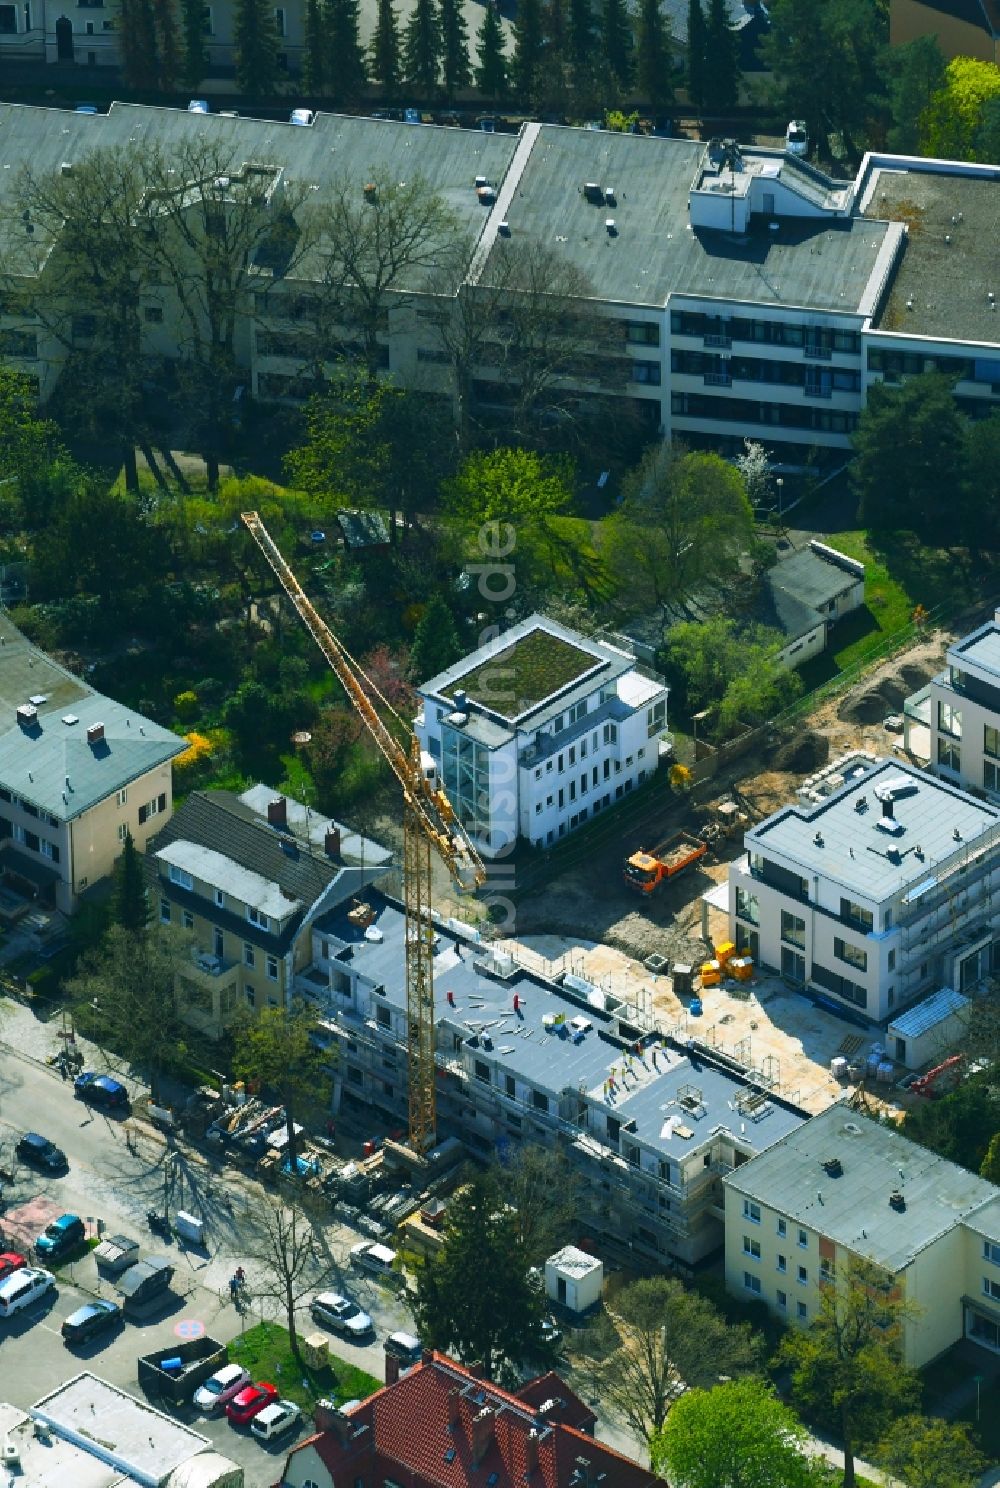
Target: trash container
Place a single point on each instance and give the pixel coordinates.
(189, 1227)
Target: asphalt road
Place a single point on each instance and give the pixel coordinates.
(109, 1182)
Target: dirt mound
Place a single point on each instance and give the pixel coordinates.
(913, 676)
(869, 707)
(807, 751)
(893, 694)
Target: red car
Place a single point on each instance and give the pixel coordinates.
(10, 1261)
(249, 1402)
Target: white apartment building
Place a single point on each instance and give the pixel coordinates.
(958, 714)
(842, 1188)
(538, 730)
(757, 296)
(884, 890)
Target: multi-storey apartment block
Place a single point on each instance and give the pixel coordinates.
(750, 293)
(960, 712)
(539, 730)
(875, 894)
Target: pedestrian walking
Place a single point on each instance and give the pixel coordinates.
(234, 1288)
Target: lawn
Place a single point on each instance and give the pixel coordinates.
(265, 1351)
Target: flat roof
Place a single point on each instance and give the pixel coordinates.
(840, 838)
(52, 1462)
(537, 665)
(853, 1209)
(948, 283)
(118, 1428)
(655, 253)
(981, 647)
(576, 1261)
(647, 1089)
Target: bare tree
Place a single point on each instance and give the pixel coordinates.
(286, 1246)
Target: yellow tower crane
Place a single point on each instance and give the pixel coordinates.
(429, 820)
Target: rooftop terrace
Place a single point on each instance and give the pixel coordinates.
(981, 649)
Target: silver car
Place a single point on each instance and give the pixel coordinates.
(341, 1314)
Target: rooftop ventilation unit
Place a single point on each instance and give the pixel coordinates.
(612, 230)
(504, 229)
(833, 1167)
(897, 1201)
(593, 193)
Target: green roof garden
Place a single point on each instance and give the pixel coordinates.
(526, 673)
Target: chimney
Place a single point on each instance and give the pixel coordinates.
(331, 841)
(95, 733)
(391, 1369)
(531, 1453)
(324, 1414)
(277, 812)
(27, 715)
(482, 1434)
(454, 1407)
(888, 813)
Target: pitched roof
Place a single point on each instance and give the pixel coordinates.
(49, 762)
(423, 1424)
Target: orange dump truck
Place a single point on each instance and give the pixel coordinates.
(645, 871)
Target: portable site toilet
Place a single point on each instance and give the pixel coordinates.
(574, 1279)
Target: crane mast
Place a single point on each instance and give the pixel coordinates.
(429, 820)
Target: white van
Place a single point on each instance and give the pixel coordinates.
(405, 1347)
(24, 1287)
(370, 1256)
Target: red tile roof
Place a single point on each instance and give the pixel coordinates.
(403, 1433)
(568, 1408)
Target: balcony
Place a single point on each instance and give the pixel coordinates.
(816, 352)
(718, 379)
(717, 340)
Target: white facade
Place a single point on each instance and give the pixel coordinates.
(870, 902)
(574, 1279)
(961, 709)
(929, 1031)
(541, 773)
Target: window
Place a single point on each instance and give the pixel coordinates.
(949, 719)
(539, 1101)
(258, 918)
(751, 1282)
(890, 961)
(844, 951)
(991, 1289)
(825, 1269)
(219, 944)
(991, 741)
(803, 1276)
(220, 898)
(152, 808)
(610, 733)
(383, 1016)
(249, 959)
(782, 1299)
(782, 1263)
(510, 1086)
(857, 914)
(793, 929)
(164, 911)
(751, 1211)
(656, 718)
(991, 777)
(538, 808)
(782, 1227)
(482, 1071)
(122, 831)
(802, 1311)
(648, 372)
(279, 20)
(803, 1239)
(251, 995)
(642, 332)
(153, 314)
(751, 1247)
(188, 920)
(991, 1252)
(49, 850)
(181, 876)
(121, 796)
(949, 756)
(578, 711)
(8, 20)
(747, 907)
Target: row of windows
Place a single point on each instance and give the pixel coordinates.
(184, 880)
(219, 942)
(895, 363)
(581, 816)
(721, 371)
(721, 330)
(596, 775)
(746, 411)
(752, 1283)
(751, 1211)
(31, 840)
(566, 758)
(28, 808)
(22, 344)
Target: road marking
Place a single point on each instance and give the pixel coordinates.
(189, 1328)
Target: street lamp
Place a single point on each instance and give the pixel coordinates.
(780, 483)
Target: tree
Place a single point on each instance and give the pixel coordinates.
(672, 1339)
(582, 55)
(684, 517)
(285, 1243)
(715, 662)
(553, 80)
(137, 40)
(926, 1452)
(129, 900)
(491, 69)
(473, 1297)
(315, 48)
(840, 95)
(256, 43)
(512, 487)
(168, 44)
(959, 1125)
(982, 455)
(989, 1168)
(616, 40)
(435, 641)
(910, 447)
(846, 1367)
(697, 65)
(736, 1435)
(654, 57)
(422, 48)
(345, 58)
(98, 543)
(385, 56)
(125, 991)
(275, 1048)
(336, 736)
(755, 467)
(986, 145)
(529, 44)
(955, 115)
(28, 444)
(542, 1191)
(722, 74)
(917, 73)
(194, 57)
(456, 68)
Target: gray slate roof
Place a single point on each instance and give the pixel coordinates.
(854, 1209)
(35, 761)
(811, 578)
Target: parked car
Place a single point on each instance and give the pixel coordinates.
(91, 1320)
(220, 1387)
(101, 1090)
(369, 1255)
(301, 116)
(198, 106)
(275, 1419)
(11, 1261)
(24, 1287)
(796, 138)
(86, 108)
(340, 1314)
(38, 1150)
(406, 1347)
(60, 1237)
(249, 1402)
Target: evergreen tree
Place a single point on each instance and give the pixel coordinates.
(255, 38)
(345, 59)
(655, 63)
(385, 59)
(491, 71)
(168, 45)
(314, 60)
(129, 903)
(137, 33)
(722, 74)
(582, 51)
(422, 48)
(195, 58)
(528, 42)
(454, 48)
(554, 75)
(697, 53)
(435, 641)
(616, 38)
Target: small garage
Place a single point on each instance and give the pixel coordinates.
(574, 1279)
(929, 1031)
